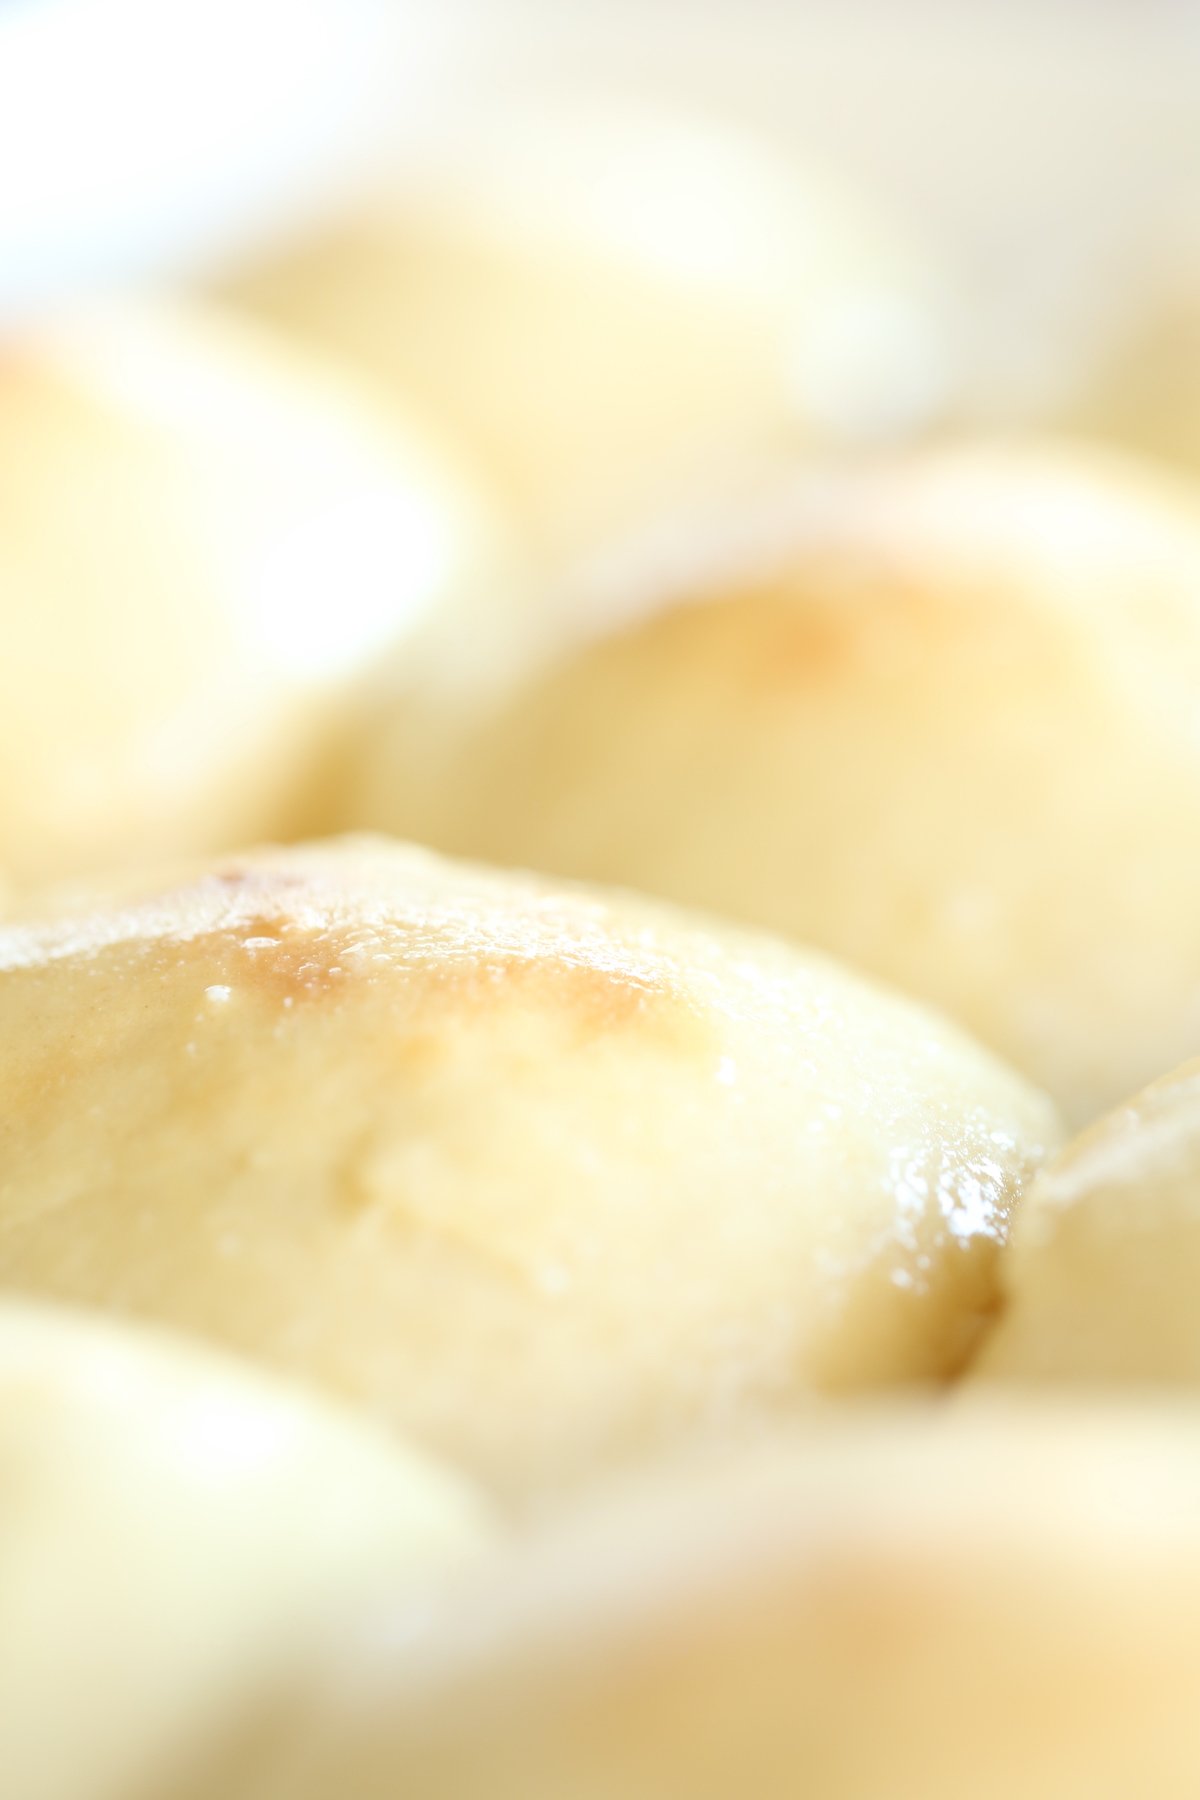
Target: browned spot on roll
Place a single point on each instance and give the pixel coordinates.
(797, 632)
(249, 876)
(591, 999)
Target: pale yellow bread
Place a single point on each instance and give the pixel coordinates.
(204, 534)
(920, 1606)
(545, 1176)
(598, 301)
(1101, 1278)
(1141, 385)
(178, 1534)
(937, 714)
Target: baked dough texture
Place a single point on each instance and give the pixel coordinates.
(988, 1602)
(936, 714)
(203, 536)
(544, 1176)
(178, 1533)
(1101, 1276)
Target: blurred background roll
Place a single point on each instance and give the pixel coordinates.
(1142, 384)
(935, 713)
(601, 301)
(203, 537)
(989, 1601)
(179, 1535)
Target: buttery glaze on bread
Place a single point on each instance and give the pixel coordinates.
(203, 534)
(177, 1534)
(1101, 1278)
(937, 715)
(545, 1176)
(992, 1602)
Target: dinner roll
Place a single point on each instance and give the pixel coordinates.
(937, 714)
(918, 1607)
(1101, 1278)
(544, 1176)
(599, 300)
(203, 535)
(176, 1532)
(1143, 386)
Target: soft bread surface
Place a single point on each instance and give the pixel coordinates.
(178, 1532)
(935, 714)
(589, 334)
(922, 1606)
(1101, 1277)
(203, 535)
(544, 1176)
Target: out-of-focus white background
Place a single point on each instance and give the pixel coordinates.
(1045, 148)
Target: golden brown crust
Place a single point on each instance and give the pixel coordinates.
(934, 714)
